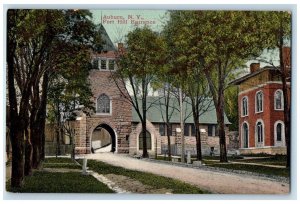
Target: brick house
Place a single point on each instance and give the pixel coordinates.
(261, 116)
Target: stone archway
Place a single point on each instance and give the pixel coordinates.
(103, 139)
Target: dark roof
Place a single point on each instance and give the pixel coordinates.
(240, 80)
(154, 114)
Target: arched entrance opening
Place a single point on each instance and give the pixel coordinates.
(103, 139)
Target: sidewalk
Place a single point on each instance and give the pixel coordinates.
(217, 182)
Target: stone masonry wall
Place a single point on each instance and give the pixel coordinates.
(119, 118)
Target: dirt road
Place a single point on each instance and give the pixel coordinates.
(216, 182)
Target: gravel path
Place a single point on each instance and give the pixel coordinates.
(216, 182)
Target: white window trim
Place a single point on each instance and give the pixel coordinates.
(106, 64)
(263, 134)
(282, 142)
(110, 105)
(262, 102)
(282, 101)
(242, 134)
(99, 64)
(246, 97)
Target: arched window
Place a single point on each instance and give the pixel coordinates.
(103, 104)
(278, 100)
(259, 134)
(245, 135)
(245, 106)
(148, 140)
(279, 133)
(259, 102)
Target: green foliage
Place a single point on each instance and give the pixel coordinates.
(137, 67)
(276, 25)
(143, 54)
(146, 178)
(231, 107)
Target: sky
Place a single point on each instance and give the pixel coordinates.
(119, 22)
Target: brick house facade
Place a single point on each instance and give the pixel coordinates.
(261, 116)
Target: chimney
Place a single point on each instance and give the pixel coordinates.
(121, 48)
(254, 67)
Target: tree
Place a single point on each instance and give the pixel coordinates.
(37, 43)
(197, 90)
(137, 65)
(277, 35)
(222, 42)
(69, 92)
(24, 60)
(231, 107)
(186, 69)
(165, 104)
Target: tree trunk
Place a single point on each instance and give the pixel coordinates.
(58, 131)
(198, 142)
(35, 146)
(28, 154)
(17, 140)
(221, 127)
(285, 90)
(16, 127)
(169, 141)
(42, 115)
(144, 129)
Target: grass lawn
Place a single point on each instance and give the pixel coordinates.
(272, 171)
(155, 181)
(58, 160)
(61, 165)
(262, 159)
(57, 182)
(268, 160)
(71, 182)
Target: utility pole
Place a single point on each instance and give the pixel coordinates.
(181, 126)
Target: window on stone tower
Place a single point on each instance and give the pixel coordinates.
(103, 104)
(103, 63)
(111, 64)
(259, 102)
(148, 140)
(278, 100)
(95, 63)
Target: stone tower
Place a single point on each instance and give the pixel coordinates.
(113, 113)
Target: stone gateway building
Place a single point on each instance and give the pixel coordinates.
(116, 127)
